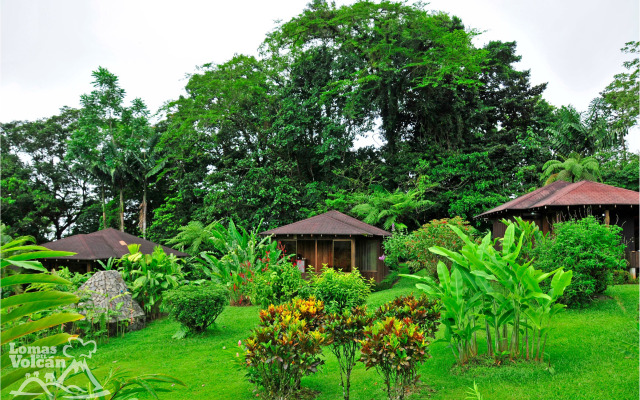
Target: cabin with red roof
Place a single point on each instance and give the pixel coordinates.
(563, 200)
(336, 240)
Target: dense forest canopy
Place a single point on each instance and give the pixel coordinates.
(271, 138)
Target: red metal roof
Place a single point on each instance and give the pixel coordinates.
(561, 193)
(104, 244)
(329, 223)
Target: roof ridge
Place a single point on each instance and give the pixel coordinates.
(86, 245)
(359, 222)
(324, 221)
(343, 222)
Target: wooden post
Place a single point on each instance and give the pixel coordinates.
(353, 254)
(88, 267)
(607, 217)
(545, 224)
(316, 262)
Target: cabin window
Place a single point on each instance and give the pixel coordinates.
(368, 255)
(342, 255)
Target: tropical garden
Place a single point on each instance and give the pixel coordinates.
(260, 142)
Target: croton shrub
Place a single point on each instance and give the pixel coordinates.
(421, 310)
(285, 347)
(344, 331)
(395, 348)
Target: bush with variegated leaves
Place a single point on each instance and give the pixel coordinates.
(285, 347)
(395, 348)
(421, 310)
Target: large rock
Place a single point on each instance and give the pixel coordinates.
(108, 291)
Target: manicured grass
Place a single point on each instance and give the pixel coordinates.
(586, 349)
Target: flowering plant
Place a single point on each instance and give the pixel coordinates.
(435, 233)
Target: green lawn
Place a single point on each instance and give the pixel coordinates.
(586, 350)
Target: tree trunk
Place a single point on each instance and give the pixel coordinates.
(121, 210)
(144, 211)
(489, 344)
(104, 211)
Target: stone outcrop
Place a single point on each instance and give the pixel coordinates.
(105, 292)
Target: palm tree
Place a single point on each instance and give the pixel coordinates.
(147, 163)
(584, 133)
(574, 168)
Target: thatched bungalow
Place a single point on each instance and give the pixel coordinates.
(562, 200)
(337, 240)
(100, 245)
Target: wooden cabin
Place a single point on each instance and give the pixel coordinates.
(100, 245)
(337, 240)
(560, 201)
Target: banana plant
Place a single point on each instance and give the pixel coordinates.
(540, 314)
(150, 275)
(17, 310)
(459, 316)
(243, 254)
(503, 289)
(123, 386)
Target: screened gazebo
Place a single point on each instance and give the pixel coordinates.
(562, 200)
(337, 240)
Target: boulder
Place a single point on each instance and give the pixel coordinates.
(105, 292)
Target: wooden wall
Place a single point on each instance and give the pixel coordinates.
(319, 251)
(325, 254)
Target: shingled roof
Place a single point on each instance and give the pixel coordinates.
(561, 193)
(329, 223)
(104, 244)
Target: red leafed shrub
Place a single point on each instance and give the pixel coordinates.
(309, 310)
(423, 312)
(395, 348)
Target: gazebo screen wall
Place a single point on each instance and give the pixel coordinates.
(340, 252)
(623, 216)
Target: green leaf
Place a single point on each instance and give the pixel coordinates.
(53, 295)
(41, 254)
(34, 265)
(48, 341)
(35, 326)
(30, 308)
(507, 241)
(443, 274)
(21, 279)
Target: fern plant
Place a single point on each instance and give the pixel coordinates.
(574, 168)
(389, 209)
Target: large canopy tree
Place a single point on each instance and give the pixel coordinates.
(621, 96)
(40, 197)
